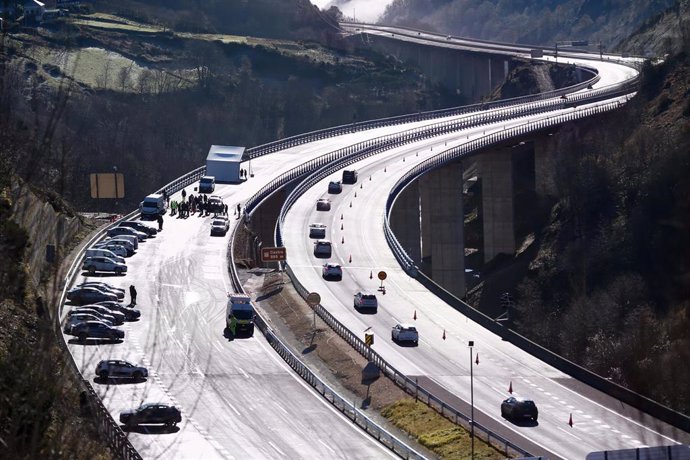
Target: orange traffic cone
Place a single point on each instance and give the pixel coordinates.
(341, 217)
(371, 274)
(414, 317)
(444, 334)
(369, 177)
(350, 203)
(350, 258)
(570, 420)
(403, 159)
(355, 194)
(341, 226)
(385, 169)
(342, 241)
(477, 360)
(510, 388)
(360, 185)
(417, 154)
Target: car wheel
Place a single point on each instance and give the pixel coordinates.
(137, 376)
(392, 337)
(503, 412)
(118, 271)
(92, 270)
(103, 375)
(82, 337)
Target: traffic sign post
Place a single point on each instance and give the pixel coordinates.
(313, 299)
(382, 276)
(273, 254)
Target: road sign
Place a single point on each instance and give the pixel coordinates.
(107, 185)
(313, 298)
(382, 275)
(273, 254)
(369, 339)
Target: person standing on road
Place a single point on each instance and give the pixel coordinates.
(133, 294)
(160, 222)
(184, 194)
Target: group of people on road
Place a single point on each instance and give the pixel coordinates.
(196, 203)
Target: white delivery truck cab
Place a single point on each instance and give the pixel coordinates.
(152, 206)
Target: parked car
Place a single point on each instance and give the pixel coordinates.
(332, 271)
(150, 413)
(317, 231)
(207, 184)
(115, 248)
(102, 252)
(130, 313)
(103, 264)
(349, 176)
(103, 316)
(77, 318)
(519, 409)
(84, 295)
(117, 231)
(118, 318)
(335, 186)
(119, 292)
(215, 204)
(405, 333)
(139, 226)
(219, 226)
(322, 248)
(96, 329)
(118, 368)
(323, 204)
(128, 241)
(366, 300)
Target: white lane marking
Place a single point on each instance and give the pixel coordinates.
(243, 373)
(569, 433)
(327, 446)
(276, 448)
(171, 285)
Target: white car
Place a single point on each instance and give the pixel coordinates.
(219, 226)
(118, 368)
(405, 333)
(115, 317)
(103, 264)
(322, 248)
(332, 271)
(317, 231)
(117, 249)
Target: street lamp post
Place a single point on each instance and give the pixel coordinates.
(471, 344)
(116, 191)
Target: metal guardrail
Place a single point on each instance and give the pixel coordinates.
(107, 426)
(345, 407)
(407, 384)
(435, 129)
(457, 152)
(438, 160)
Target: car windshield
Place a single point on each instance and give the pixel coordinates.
(244, 314)
(220, 223)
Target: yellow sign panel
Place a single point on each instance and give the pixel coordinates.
(107, 185)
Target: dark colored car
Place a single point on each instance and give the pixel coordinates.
(89, 294)
(335, 187)
(131, 313)
(519, 409)
(150, 231)
(151, 413)
(323, 205)
(96, 329)
(349, 176)
(118, 368)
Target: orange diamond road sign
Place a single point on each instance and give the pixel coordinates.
(273, 254)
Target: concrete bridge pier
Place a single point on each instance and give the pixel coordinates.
(405, 221)
(496, 169)
(442, 226)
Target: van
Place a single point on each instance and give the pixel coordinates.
(125, 241)
(207, 184)
(104, 253)
(152, 206)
